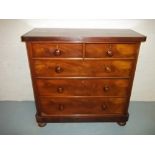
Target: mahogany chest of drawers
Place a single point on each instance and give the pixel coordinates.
(82, 75)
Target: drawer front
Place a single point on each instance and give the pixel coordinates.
(76, 68)
(56, 50)
(111, 50)
(83, 87)
(82, 106)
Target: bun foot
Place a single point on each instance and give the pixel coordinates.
(121, 123)
(42, 124)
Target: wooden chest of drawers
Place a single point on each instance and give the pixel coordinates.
(82, 74)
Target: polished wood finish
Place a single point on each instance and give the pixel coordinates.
(111, 50)
(82, 106)
(56, 50)
(82, 75)
(83, 35)
(83, 87)
(83, 68)
(83, 118)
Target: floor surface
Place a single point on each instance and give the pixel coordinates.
(18, 118)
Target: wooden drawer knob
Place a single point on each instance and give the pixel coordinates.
(58, 69)
(60, 90)
(57, 52)
(108, 69)
(104, 107)
(61, 107)
(106, 88)
(109, 53)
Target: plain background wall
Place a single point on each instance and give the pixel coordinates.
(15, 82)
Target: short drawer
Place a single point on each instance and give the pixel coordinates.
(111, 50)
(56, 50)
(78, 68)
(82, 106)
(83, 87)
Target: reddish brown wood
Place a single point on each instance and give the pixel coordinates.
(83, 68)
(111, 50)
(56, 50)
(82, 106)
(36, 96)
(82, 75)
(83, 118)
(83, 35)
(83, 87)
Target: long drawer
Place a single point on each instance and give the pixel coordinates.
(83, 87)
(82, 106)
(74, 68)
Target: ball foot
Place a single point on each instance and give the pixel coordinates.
(121, 123)
(42, 124)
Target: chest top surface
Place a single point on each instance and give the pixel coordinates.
(83, 35)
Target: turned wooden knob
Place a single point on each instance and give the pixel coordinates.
(61, 107)
(109, 53)
(103, 106)
(58, 69)
(108, 69)
(60, 90)
(57, 52)
(106, 88)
